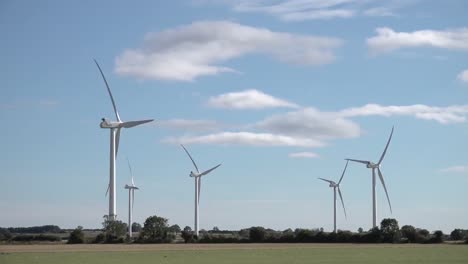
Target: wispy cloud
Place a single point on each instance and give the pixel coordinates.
(388, 40)
(310, 123)
(190, 124)
(303, 155)
(456, 169)
(248, 99)
(443, 115)
(247, 138)
(304, 127)
(191, 51)
(301, 10)
(463, 76)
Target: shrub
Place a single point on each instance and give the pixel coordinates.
(76, 236)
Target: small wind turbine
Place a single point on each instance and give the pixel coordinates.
(131, 200)
(114, 127)
(373, 166)
(197, 175)
(335, 186)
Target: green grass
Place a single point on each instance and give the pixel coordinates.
(357, 254)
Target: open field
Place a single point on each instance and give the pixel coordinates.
(233, 253)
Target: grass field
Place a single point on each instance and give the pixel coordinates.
(244, 253)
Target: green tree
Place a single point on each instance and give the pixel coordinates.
(456, 234)
(360, 230)
(5, 234)
(76, 236)
(187, 234)
(257, 234)
(155, 230)
(437, 237)
(175, 228)
(409, 232)
(136, 227)
(390, 230)
(114, 230)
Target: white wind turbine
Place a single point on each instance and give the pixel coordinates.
(114, 127)
(373, 166)
(335, 186)
(197, 175)
(131, 200)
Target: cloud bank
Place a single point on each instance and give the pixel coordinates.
(388, 40)
(191, 51)
(248, 99)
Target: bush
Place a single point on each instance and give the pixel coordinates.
(76, 236)
(41, 237)
(100, 238)
(5, 234)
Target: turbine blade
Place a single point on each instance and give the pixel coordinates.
(131, 172)
(385, 150)
(108, 187)
(117, 140)
(210, 170)
(385, 188)
(342, 202)
(360, 161)
(194, 164)
(130, 124)
(108, 90)
(343, 172)
(326, 180)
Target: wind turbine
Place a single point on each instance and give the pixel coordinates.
(197, 175)
(131, 200)
(115, 127)
(335, 186)
(374, 166)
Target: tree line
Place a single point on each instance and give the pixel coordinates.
(156, 229)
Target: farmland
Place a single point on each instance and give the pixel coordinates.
(233, 253)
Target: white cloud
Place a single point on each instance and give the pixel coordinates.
(443, 115)
(187, 52)
(192, 125)
(388, 40)
(247, 138)
(310, 123)
(248, 99)
(306, 155)
(456, 169)
(301, 10)
(463, 76)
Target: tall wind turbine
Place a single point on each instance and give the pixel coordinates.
(131, 200)
(374, 166)
(115, 127)
(336, 186)
(197, 175)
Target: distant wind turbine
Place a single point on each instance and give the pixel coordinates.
(374, 166)
(335, 186)
(197, 175)
(114, 127)
(131, 200)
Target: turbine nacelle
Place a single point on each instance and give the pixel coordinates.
(131, 187)
(109, 124)
(372, 165)
(193, 174)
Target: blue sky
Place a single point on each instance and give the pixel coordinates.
(279, 92)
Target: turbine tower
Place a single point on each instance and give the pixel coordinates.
(131, 200)
(336, 186)
(114, 127)
(197, 175)
(374, 166)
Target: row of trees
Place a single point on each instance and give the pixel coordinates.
(157, 230)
